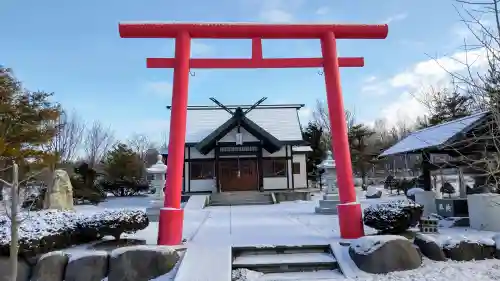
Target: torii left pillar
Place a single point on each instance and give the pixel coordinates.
(171, 216)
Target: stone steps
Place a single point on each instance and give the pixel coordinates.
(320, 275)
(240, 199)
(286, 259)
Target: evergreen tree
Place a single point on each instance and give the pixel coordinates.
(313, 134)
(362, 155)
(123, 164)
(28, 121)
(446, 107)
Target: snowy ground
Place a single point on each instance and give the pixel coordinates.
(296, 223)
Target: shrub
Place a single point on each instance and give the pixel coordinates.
(393, 217)
(121, 188)
(447, 188)
(390, 182)
(84, 187)
(50, 230)
(34, 202)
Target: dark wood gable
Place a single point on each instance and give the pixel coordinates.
(269, 142)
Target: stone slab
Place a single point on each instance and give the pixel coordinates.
(346, 265)
(197, 202)
(326, 211)
(331, 197)
(203, 262)
(328, 203)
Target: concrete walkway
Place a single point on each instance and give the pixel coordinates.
(226, 227)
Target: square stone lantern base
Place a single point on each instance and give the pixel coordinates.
(328, 205)
(153, 211)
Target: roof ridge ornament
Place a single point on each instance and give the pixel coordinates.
(239, 109)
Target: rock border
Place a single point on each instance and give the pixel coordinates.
(131, 263)
(458, 248)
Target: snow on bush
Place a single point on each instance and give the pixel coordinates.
(368, 244)
(48, 230)
(393, 217)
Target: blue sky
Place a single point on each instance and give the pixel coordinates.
(72, 48)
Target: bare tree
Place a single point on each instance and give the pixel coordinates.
(164, 140)
(321, 117)
(140, 144)
(97, 142)
(68, 138)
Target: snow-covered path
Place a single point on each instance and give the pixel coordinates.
(211, 232)
(257, 225)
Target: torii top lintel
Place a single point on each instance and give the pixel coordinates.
(250, 30)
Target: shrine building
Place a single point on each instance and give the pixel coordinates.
(244, 148)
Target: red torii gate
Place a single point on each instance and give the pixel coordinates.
(171, 216)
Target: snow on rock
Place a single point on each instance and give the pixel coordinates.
(448, 242)
(429, 238)
(54, 253)
(243, 274)
(368, 244)
(413, 191)
(75, 255)
(371, 190)
(151, 248)
(444, 271)
(451, 240)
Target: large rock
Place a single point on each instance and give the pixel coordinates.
(469, 250)
(384, 254)
(87, 266)
(60, 196)
(23, 270)
(50, 267)
(429, 248)
(149, 262)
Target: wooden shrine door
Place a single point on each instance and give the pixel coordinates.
(248, 179)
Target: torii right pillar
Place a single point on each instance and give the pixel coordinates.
(349, 210)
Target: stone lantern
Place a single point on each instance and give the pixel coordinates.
(328, 205)
(158, 171)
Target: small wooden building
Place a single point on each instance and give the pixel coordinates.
(244, 148)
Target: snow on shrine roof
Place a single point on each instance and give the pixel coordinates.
(305, 148)
(434, 136)
(281, 121)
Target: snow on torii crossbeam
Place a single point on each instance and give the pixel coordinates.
(171, 217)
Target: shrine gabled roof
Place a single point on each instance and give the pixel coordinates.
(435, 137)
(280, 121)
(269, 142)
